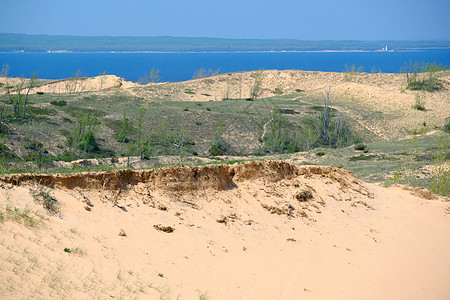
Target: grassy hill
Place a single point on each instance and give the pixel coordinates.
(108, 122)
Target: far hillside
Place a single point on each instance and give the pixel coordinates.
(10, 42)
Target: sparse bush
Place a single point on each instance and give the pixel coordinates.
(277, 91)
(360, 146)
(40, 93)
(350, 72)
(122, 136)
(406, 166)
(82, 136)
(22, 216)
(153, 77)
(447, 125)
(440, 180)
(189, 91)
(58, 103)
(423, 77)
(202, 73)
(279, 137)
(420, 104)
(48, 201)
(320, 153)
(215, 151)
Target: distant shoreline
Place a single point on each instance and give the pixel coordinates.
(242, 51)
(11, 42)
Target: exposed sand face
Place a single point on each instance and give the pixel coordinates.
(74, 85)
(260, 230)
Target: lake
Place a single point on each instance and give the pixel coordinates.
(181, 66)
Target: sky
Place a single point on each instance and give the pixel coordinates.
(261, 19)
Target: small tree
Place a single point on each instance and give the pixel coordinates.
(153, 77)
(143, 147)
(256, 90)
(218, 146)
(326, 119)
(82, 136)
(181, 144)
(122, 136)
(202, 73)
(31, 85)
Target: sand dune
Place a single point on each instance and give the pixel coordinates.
(259, 230)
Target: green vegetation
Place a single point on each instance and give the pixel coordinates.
(409, 165)
(423, 77)
(277, 91)
(76, 251)
(22, 216)
(420, 104)
(440, 180)
(122, 136)
(360, 146)
(447, 125)
(351, 72)
(82, 135)
(58, 103)
(48, 201)
(82, 125)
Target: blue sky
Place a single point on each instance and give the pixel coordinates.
(307, 20)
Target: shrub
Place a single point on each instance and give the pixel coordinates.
(47, 200)
(214, 151)
(423, 77)
(277, 91)
(82, 136)
(122, 136)
(320, 153)
(419, 105)
(447, 125)
(202, 73)
(58, 103)
(360, 146)
(440, 180)
(218, 147)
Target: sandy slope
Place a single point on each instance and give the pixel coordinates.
(260, 230)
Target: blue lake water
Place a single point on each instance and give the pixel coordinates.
(181, 66)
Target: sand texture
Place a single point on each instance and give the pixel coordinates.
(257, 230)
